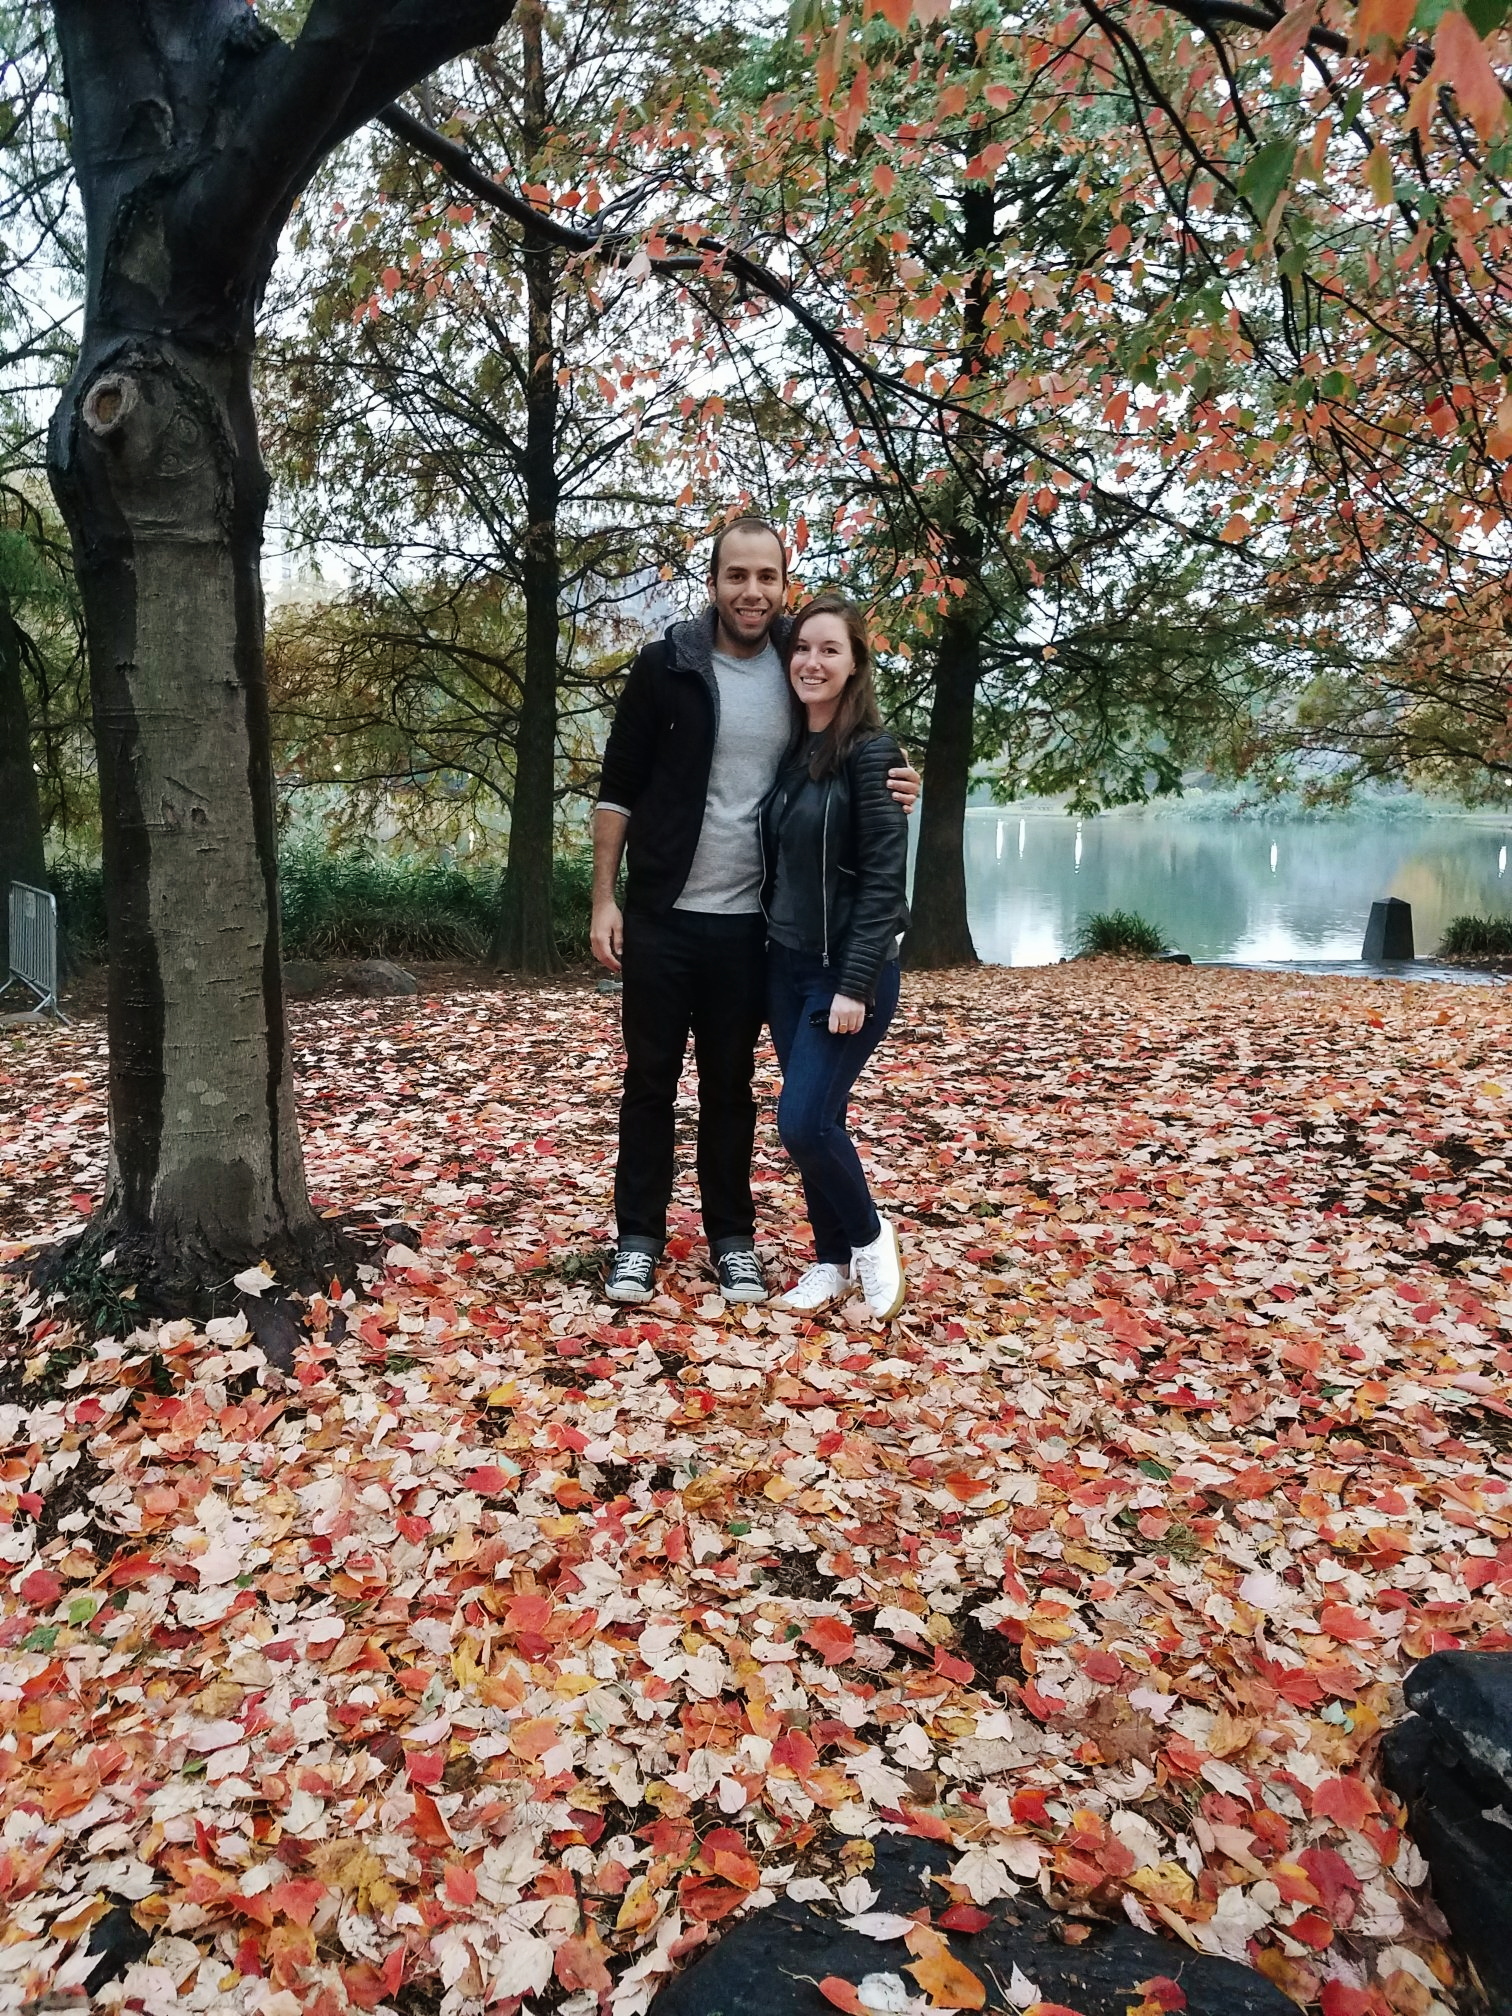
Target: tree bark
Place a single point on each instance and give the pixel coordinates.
(940, 933)
(525, 937)
(194, 129)
(21, 855)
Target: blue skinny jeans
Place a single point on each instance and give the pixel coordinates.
(818, 1071)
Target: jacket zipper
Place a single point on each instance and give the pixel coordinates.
(829, 785)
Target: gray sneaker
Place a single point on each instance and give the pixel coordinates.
(632, 1276)
(740, 1276)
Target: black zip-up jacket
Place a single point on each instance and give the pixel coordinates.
(844, 843)
(656, 763)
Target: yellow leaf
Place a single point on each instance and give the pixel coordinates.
(1377, 172)
(777, 1489)
(639, 1908)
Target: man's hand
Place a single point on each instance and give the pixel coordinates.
(904, 786)
(607, 935)
(846, 1016)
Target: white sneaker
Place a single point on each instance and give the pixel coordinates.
(823, 1284)
(878, 1270)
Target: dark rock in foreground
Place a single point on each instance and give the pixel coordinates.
(757, 1967)
(375, 977)
(1451, 1761)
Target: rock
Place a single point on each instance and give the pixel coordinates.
(379, 976)
(1175, 958)
(273, 1325)
(302, 978)
(757, 1968)
(610, 987)
(119, 1942)
(1451, 1761)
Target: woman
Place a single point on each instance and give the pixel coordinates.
(835, 852)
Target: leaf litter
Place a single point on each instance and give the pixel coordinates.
(514, 1644)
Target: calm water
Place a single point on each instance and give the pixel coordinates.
(1227, 889)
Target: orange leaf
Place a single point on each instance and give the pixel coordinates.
(947, 1983)
(832, 1638)
(533, 1739)
(580, 1963)
(841, 1995)
(1384, 21)
(1462, 60)
(429, 1826)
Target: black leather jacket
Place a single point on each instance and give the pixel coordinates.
(844, 842)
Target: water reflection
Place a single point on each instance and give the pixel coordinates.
(1226, 889)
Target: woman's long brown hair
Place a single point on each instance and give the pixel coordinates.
(857, 713)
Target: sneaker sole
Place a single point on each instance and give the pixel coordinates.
(629, 1294)
(886, 1316)
(805, 1308)
(738, 1298)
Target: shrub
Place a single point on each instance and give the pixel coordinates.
(1120, 932)
(355, 905)
(80, 891)
(1477, 938)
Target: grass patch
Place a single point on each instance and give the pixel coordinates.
(1119, 931)
(1477, 938)
(356, 905)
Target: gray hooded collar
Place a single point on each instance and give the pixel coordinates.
(690, 646)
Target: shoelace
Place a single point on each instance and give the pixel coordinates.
(637, 1267)
(741, 1270)
(869, 1273)
(821, 1276)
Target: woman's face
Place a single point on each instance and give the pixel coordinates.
(822, 662)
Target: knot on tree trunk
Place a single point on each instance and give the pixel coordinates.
(109, 403)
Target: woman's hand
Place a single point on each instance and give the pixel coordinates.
(846, 1016)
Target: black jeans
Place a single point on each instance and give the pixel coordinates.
(686, 970)
(818, 1071)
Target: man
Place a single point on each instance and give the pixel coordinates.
(700, 731)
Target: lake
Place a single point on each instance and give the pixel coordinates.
(1247, 891)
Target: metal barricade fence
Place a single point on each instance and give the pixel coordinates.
(34, 950)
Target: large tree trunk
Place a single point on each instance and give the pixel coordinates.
(21, 857)
(156, 465)
(940, 934)
(525, 939)
(194, 129)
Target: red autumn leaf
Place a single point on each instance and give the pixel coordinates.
(832, 1638)
(298, 1899)
(964, 1918)
(1347, 1800)
(707, 1899)
(926, 1826)
(41, 1589)
(841, 1994)
(425, 1767)
(1339, 1621)
(1163, 1992)
(488, 1480)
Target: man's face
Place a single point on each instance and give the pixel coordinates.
(749, 588)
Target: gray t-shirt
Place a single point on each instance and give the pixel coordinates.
(755, 721)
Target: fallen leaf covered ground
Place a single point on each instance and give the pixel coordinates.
(513, 1644)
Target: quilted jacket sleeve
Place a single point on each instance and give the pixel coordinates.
(879, 832)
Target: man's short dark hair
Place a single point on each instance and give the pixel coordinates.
(746, 525)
